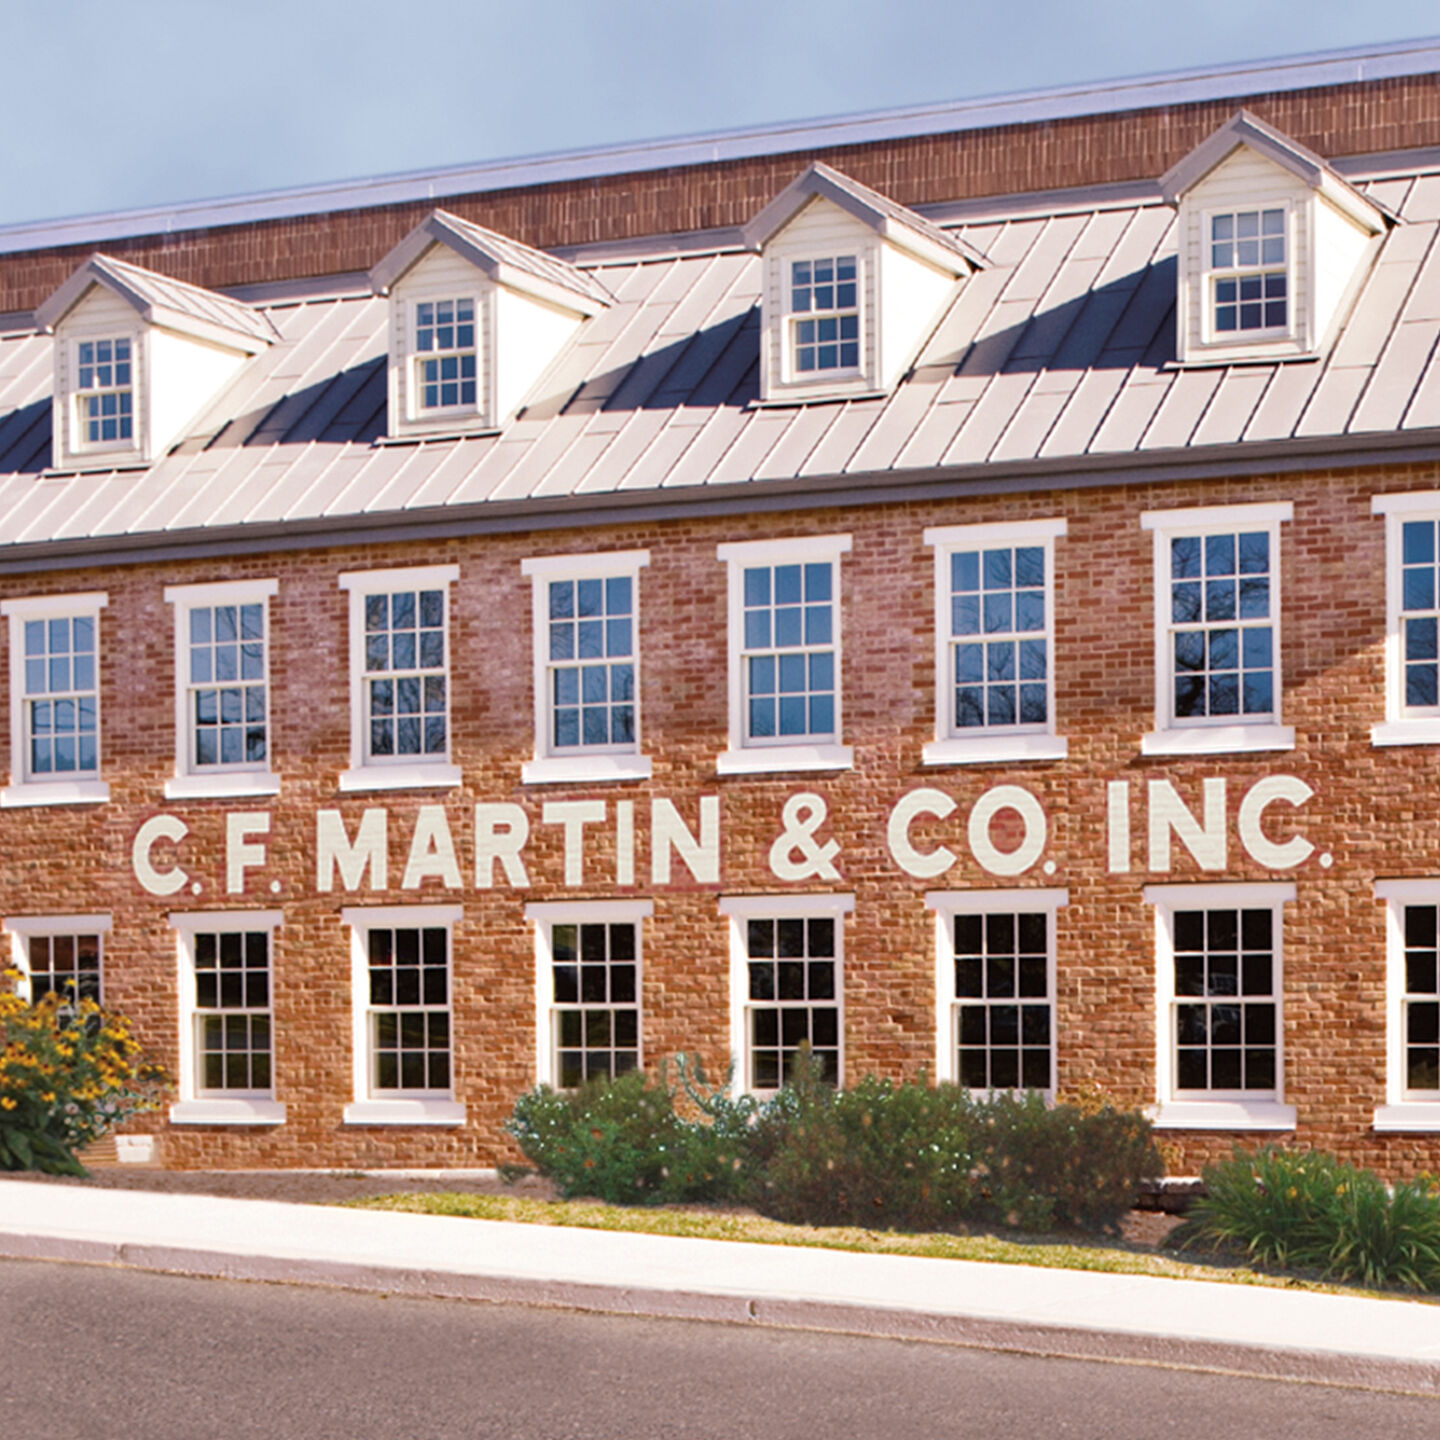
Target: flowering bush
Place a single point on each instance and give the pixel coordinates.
(69, 1073)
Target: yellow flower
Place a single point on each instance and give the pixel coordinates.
(7, 1102)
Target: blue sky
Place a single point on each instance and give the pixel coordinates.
(114, 106)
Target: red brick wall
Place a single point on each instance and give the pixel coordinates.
(1372, 809)
(1337, 120)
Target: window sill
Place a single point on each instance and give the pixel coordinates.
(585, 769)
(401, 777)
(1406, 732)
(1218, 739)
(1222, 1115)
(224, 785)
(405, 1112)
(793, 395)
(56, 792)
(772, 759)
(1414, 1116)
(993, 749)
(227, 1112)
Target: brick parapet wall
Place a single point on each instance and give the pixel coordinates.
(1372, 809)
(1363, 118)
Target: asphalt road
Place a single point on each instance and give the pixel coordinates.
(87, 1352)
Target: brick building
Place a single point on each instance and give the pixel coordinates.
(960, 588)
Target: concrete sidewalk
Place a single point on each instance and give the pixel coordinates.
(1337, 1339)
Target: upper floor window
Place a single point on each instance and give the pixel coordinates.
(825, 314)
(445, 354)
(785, 654)
(54, 700)
(103, 392)
(1217, 651)
(587, 652)
(400, 678)
(222, 665)
(1412, 629)
(995, 642)
(1249, 279)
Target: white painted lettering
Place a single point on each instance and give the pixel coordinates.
(432, 851)
(923, 864)
(668, 831)
(1032, 845)
(158, 827)
(1285, 856)
(574, 815)
(1169, 812)
(333, 850)
(1117, 825)
(501, 831)
(624, 842)
(241, 854)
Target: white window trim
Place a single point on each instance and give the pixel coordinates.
(21, 927)
(1215, 342)
(740, 908)
(22, 790)
(947, 904)
(1205, 737)
(548, 913)
(1268, 1113)
(742, 757)
(1397, 728)
(1399, 1114)
(192, 1108)
(790, 386)
(399, 773)
(195, 783)
(417, 1110)
(990, 744)
(576, 765)
(81, 452)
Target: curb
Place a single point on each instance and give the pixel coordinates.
(1008, 1336)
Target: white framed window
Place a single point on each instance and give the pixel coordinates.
(787, 985)
(402, 988)
(1219, 986)
(995, 1021)
(1412, 619)
(1217, 630)
(227, 1045)
(785, 655)
(823, 310)
(588, 973)
(222, 689)
(400, 678)
(104, 394)
(1412, 1006)
(586, 611)
(445, 356)
(1247, 274)
(55, 700)
(59, 953)
(995, 643)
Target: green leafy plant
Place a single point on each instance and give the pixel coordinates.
(69, 1073)
(1306, 1210)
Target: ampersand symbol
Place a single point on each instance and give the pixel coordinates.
(803, 815)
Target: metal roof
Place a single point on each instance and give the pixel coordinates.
(1053, 361)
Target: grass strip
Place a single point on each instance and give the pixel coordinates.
(756, 1230)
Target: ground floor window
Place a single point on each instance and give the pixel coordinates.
(587, 989)
(1412, 1006)
(995, 987)
(227, 1043)
(1219, 988)
(787, 985)
(58, 953)
(402, 998)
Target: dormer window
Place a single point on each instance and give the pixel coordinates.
(103, 392)
(1249, 281)
(1273, 247)
(139, 358)
(831, 249)
(475, 320)
(445, 354)
(825, 305)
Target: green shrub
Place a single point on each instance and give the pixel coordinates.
(898, 1156)
(1305, 1210)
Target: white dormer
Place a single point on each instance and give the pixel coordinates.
(853, 284)
(1273, 246)
(137, 357)
(475, 320)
